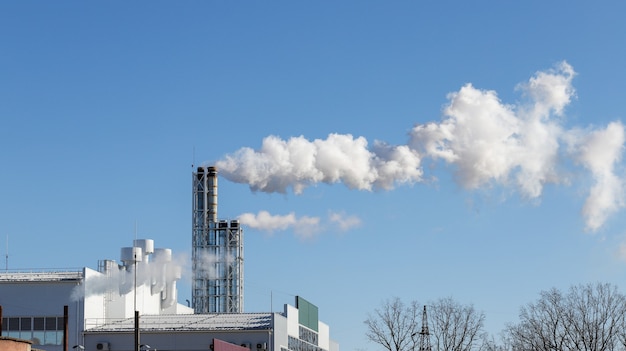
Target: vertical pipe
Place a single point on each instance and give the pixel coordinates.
(65, 328)
(78, 325)
(196, 178)
(136, 330)
(0, 320)
(212, 194)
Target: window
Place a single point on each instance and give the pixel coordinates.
(25, 323)
(38, 323)
(51, 323)
(308, 335)
(14, 324)
(39, 330)
(26, 331)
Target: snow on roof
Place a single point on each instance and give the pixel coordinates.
(187, 322)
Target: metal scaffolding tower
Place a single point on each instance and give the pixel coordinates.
(217, 251)
(424, 334)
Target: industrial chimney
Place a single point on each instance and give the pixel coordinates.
(212, 193)
(217, 251)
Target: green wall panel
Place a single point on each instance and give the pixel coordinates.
(307, 313)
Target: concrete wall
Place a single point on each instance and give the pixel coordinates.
(293, 326)
(324, 336)
(93, 299)
(281, 336)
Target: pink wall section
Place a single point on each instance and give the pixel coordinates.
(219, 345)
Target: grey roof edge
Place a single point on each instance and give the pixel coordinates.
(187, 322)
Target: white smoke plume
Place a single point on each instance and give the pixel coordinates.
(343, 221)
(485, 141)
(489, 141)
(94, 285)
(120, 278)
(208, 266)
(297, 163)
(304, 227)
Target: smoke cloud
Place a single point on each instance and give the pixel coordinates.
(120, 280)
(304, 227)
(345, 222)
(297, 163)
(484, 141)
(207, 264)
(488, 141)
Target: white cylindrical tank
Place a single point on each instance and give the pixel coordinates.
(147, 245)
(131, 255)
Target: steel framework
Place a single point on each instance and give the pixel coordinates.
(217, 251)
(425, 334)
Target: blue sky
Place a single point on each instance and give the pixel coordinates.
(501, 121)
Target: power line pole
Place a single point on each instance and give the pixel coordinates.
(424, 334)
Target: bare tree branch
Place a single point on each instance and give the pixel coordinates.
(455, 327)
(589, 317)
(393, 324)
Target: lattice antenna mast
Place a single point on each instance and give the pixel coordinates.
(424, 334)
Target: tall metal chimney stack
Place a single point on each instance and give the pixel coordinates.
(212, 193)
(217, 251)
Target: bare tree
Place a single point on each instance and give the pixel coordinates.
(393, 325)
(589, 317)
(455, 327)
(489, 343)
(542, 325)
(595, 316)
(452, 326)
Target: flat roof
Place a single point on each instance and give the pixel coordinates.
(40, 276)
(185, 322)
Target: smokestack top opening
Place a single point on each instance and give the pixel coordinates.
(210, 171)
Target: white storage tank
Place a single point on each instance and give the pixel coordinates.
(131, 255)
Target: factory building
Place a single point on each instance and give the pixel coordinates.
(33, 303)
(296, 328)
(133, 305)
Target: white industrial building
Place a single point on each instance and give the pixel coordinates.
(134, 305)
(33, 303)
(97, 309)
(249, 331)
